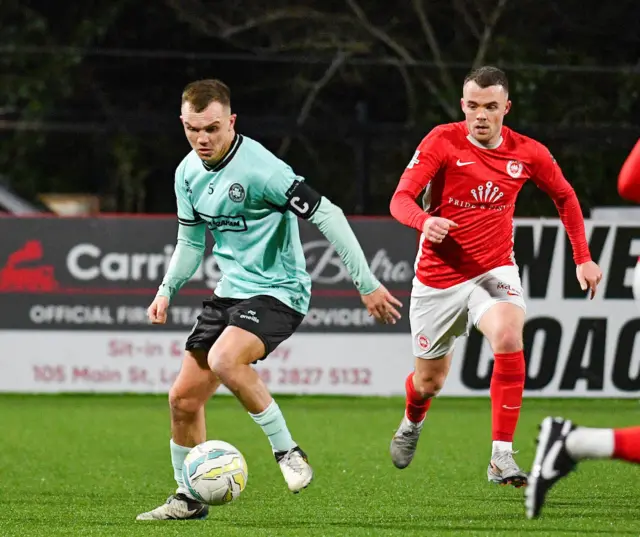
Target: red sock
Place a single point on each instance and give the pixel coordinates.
(416, 406)
(626, 444)
(507, 385)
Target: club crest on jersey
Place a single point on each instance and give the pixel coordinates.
(486, 192)
(236, 192)
(514, 168)
(423, 342)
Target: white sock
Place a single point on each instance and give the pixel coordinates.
(178, 455)
(412, 423)
(499, 445)
(589, 443)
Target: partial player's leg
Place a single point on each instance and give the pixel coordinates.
(193, 387)
(257, 326)
(437, 318)
(561, 444)
(636, 283)
(551, 463)
(497, 309)
(421, 386)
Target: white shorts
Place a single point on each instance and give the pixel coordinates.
(439, 316)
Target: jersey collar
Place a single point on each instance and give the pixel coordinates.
(233, 149)
(478, 144)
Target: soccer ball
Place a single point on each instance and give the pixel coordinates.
(215, 472)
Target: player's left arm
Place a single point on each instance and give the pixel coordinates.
(548, 176)
(289, 192)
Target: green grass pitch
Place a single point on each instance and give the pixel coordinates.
(86, 465)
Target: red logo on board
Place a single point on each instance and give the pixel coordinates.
(15, 276)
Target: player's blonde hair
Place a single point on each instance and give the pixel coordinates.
(202, 93)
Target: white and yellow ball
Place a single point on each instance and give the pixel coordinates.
(215, 472)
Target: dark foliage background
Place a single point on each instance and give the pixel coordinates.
(341, 89)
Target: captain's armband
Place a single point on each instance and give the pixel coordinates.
(302, 200)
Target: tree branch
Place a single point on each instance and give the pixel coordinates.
(305, 110)
(400, 51)
(275, 16)
(466, 16)
(487, 34)
(204, 21)
(412, 101)
(433, 43)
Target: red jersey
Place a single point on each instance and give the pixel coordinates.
(629, 178)
(477, 187)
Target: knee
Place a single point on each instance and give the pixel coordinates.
(506, 340)
(181, 404)
(428, 384)
(221, 362)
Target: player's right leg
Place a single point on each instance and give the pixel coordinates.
(437, 317)
(193, 387)
(421, 386)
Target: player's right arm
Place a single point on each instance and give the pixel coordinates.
(424, 165)
(629, 177)
(187, 255)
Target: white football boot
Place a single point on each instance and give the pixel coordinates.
(177, 507)
(295, 468)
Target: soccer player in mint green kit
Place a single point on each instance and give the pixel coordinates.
(250, 201)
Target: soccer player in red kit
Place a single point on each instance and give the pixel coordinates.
(465, 271)
(561, 444)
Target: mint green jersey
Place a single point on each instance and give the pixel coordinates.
(242, 201)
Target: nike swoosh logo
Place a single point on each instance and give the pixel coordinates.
(511, 407)
(548, 470)
(460, 163)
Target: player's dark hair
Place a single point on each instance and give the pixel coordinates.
(202, 93)
(488, 75)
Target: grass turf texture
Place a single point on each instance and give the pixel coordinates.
(86, 465)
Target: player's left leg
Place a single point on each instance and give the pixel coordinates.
(256, 327)
(498, 311)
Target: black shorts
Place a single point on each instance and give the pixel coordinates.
(262, 315)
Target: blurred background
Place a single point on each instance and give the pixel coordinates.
(341, 89)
